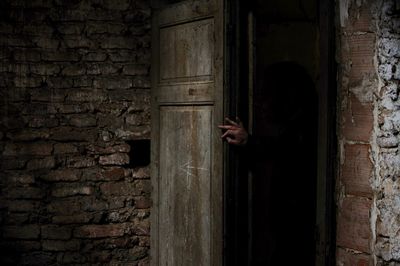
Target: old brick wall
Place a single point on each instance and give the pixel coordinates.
(74, 82)
(368, 187)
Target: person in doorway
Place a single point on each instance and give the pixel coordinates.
(283, 159)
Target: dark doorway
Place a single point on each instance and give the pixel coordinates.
(284, 168)
(279, 198)
(285, 110)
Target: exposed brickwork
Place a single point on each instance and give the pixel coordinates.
(74, 86)
(368, 184)
(349, 257)
(357, 169)
(353, 224)
(358, 83)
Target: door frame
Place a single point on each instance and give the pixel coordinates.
(237, 212)
(236, 190)
(327, 138)
(234, 187)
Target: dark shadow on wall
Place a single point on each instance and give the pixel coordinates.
(139, 154)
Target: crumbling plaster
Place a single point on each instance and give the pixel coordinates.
(381, 89)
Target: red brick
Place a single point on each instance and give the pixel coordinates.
(347, 258)
(142, 202)
(99, 231)
(74, 70)
(15, 163)
(21, 245)
(96, 149)
(60, 56)
(26, 55)
(360, 20)
(117, 188)
(80, 162)
(139, 173)
(113, 174)
(86, 95)
(102, 256)
(143, 186)
(126, 188)
(17, 218)
(354, 225)
(357, 170)
(72, 219)
(62, 175)
(71, 134)
(39, 149)
(142, 227)
(114, 159)
(45, 69)
(38, 122)
(55, 232)
(361, 54)
(144, 241)
(67, 191)
(45, 163)
(358, 120)
(24, 193)
(21, 232)
(22, 205)
(73, 258)
(135, 69)
(21, 179)
(27, 82)
(92, 204)
(82, 120)
(63, 206)
(29, 135)
(144, 262)
(117, 202)
(59, 245)
(65, 148)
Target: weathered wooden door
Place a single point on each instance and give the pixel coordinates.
(187, 106)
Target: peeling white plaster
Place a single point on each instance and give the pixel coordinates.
(344, 11)
(364, 92)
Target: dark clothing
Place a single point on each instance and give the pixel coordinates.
(284, 171)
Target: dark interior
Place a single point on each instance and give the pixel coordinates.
(285, 117)
(271, 187)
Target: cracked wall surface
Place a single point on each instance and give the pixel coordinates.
(368, 186)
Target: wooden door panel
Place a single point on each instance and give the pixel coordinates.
(188, 47)
(187, 105)
(185, 161)
(194, 92)
(189, 11)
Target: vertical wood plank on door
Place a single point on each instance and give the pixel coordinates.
(187, 106)
(185, 161)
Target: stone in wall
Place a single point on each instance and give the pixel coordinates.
(388, 138)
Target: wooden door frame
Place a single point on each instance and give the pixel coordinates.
(327, 138)
(236, 202)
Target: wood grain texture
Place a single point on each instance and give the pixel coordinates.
(185, 175)
(187, 106)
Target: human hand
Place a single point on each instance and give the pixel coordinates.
(235, 133)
